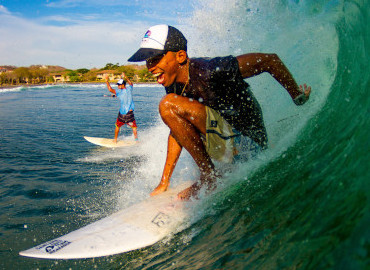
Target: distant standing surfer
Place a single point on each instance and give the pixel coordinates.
(127, 106)
(209, 108)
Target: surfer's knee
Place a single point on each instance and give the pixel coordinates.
(167, 105)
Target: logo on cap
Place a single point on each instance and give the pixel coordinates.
(147, 34)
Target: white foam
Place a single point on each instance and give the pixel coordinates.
(236, 27)
(306, 42)
(12, 89)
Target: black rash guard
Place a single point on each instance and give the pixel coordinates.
(218, 83)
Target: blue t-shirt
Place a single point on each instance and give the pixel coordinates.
(125, 98)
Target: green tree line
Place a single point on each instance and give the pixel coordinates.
(39, 75)
(24, 74)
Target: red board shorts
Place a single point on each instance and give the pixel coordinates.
(128, 119)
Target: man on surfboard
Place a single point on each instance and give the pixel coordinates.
(209, 108)
(127, 105)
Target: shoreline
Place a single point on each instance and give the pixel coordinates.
(43, 84)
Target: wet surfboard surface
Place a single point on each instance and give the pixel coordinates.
(109, 142)
(135, 227)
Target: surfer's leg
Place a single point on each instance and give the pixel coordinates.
(173, 153)
(116, 132)
(119, 124)
(134, 128)
(186, 119)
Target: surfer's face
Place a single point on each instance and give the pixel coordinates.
(164, 67)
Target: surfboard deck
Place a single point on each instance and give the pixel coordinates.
(135, 227)
(109, 142)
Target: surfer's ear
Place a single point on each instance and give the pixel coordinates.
(181, 57)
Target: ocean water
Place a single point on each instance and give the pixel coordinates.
(302, 204)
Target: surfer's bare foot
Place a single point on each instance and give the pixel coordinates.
(209, 181)
(158, 190)
(190, 192)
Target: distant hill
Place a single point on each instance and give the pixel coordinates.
(137, 67)
(50, 68)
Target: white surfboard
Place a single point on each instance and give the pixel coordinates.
(109, 142)
(136, 227)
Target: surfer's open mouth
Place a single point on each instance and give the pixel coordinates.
(159, 76)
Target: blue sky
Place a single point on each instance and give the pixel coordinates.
(80, 33)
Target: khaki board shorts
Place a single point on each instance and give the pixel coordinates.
(224, 143)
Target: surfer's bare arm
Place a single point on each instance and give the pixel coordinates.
(106, 77)
(173, 154)
(253, 64)
(126, 79)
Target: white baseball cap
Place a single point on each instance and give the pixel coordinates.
(121, 81)
(157, 40)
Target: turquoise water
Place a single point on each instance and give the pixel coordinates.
(304, 203)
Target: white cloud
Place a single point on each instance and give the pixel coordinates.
(4, 10)
(81, 44)
(80, 39)
(64, 3)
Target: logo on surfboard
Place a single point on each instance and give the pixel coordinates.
(54, 245)
(161, 219)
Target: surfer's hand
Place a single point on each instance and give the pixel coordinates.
(306, 91)
(304, 96)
